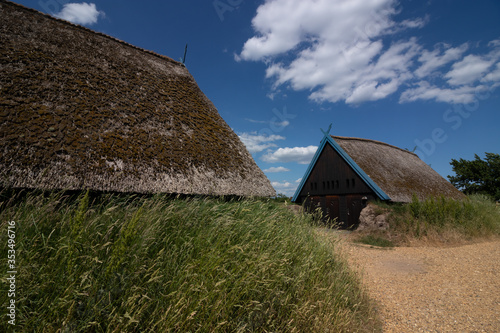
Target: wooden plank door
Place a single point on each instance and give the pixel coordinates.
(333, 207)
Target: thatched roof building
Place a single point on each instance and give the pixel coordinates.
(345, 173)
(398, 172)
(82, 110)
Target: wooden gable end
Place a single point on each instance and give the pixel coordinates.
(332, 175)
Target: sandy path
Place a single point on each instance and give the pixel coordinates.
(428, 289)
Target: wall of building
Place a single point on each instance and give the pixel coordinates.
(335, 188)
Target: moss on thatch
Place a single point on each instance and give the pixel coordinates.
(398, 172)
(79, 109)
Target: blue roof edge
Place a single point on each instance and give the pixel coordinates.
(328, 139)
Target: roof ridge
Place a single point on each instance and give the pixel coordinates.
(372, 141)
(81, 27)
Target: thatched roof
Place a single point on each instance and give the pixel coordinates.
(82, 110)
(398, 172)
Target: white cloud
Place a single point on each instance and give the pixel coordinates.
(470, 69)
(80, 13)
(277, 169)
(426, 91)
(284, 187)
(416, 23)
(335, 47)
(493, 76)
(441, 55)
(301, 155)
(339, 51)
(283, 184)
(281, 25)
(258, 142)
(275, 124)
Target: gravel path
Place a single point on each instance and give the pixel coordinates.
(429, 289)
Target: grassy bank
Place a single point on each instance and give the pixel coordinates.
(133, 264)
(441, 220)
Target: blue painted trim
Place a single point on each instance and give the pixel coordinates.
(328, 139)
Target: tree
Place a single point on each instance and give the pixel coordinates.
(477, 176)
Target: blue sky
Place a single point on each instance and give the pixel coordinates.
(421, 75)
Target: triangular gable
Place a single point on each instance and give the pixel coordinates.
(327, 139)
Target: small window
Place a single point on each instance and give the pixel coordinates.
(352, 182)
(312, 186)
(324, 185)
(315, 186)
(328, 185)
(337, 183)
(347, 183)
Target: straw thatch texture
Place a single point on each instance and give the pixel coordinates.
(82, 110)
(399, 173)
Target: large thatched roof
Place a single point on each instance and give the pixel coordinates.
(82, 110)
(398, 172)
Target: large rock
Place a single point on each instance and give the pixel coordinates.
(373, 217)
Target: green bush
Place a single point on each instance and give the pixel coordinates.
(159, 264)
(439, 218)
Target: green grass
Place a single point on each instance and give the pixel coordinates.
(375, 241)
(110, 263)
(443, 220)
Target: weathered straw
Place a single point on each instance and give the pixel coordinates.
(398, 172)
(82, 110)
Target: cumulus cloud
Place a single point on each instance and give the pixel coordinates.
(287, 187)
(339, 50)
(493, 76)
(334, 45)
(301, 155)
(426, 91)
(283, 184)
(80, 13)
(468, 70)
(277, 169)
(258, 142)
(440, 56)
(284, 187)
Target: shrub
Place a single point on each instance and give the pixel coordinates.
(444, 220)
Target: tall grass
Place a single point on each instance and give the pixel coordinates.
(134, 264)
(444, 220)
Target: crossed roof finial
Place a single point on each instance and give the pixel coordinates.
(327, 132)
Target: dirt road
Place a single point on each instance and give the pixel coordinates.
(429, 289)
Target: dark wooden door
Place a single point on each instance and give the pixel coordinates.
(333, 207)
(343, 212)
